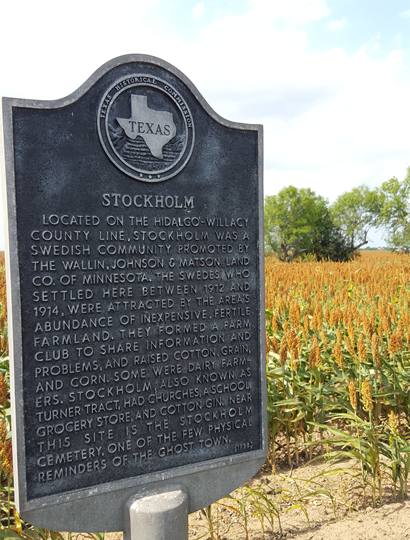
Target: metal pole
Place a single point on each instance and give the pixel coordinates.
(160, 516)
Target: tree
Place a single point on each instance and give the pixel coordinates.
(395, 211)
(355, 213)
(298, 222)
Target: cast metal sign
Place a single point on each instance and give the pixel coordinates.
(135, 273)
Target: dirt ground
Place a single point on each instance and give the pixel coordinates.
(391, 521)
(311, 503)
(314, 504)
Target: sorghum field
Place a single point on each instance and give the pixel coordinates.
(338, 364)
(338, 374)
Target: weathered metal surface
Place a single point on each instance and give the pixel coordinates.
(136, 278)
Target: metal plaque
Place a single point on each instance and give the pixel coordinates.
(135, 274)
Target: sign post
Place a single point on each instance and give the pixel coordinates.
(135, 275)
(157, 516)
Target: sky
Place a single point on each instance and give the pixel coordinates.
(328, 79)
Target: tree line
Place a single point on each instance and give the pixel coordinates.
(300, 223)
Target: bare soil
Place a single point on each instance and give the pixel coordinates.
(390, 521)
(312, 503)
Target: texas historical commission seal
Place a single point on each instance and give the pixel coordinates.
(146, 128)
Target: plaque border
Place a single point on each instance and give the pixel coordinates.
(205, 481)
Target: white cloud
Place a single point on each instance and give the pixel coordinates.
(356, 136)
(332, 119)
(337, 24)
(198, 10)
(405, 14)
(296, 12)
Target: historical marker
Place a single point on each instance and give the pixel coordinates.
(135, 279)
